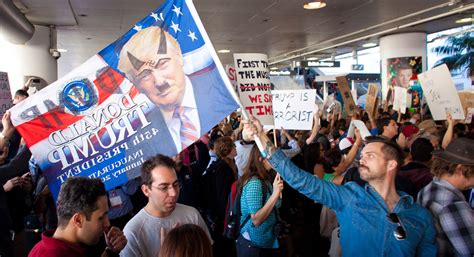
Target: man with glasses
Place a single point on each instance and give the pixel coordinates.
(147, 228)
(375, 220)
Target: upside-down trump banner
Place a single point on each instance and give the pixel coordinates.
(154, 90)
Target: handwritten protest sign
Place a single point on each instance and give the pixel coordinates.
(254, 85)
(293, 109)
(364, 132)
(343, 86)
(5, 93)
(232, 75)
(467, 100)
(371, 99)
(125, 104)
(400, 99)
(440, 93)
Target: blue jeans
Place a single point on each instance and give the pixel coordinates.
(246, 249)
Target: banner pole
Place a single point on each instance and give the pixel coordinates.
(275, 137)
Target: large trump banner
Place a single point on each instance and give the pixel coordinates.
(153, 90)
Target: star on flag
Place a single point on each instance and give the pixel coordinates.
(156, 17)
(177, 10)
(175, 27)
(137, 27)
(192, 35)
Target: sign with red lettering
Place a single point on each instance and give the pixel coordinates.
(254, 85)
(230, 71)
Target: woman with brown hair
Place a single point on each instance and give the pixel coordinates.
(259, 200)
(187, 240)
(217, 182)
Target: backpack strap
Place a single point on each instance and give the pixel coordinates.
(264, 197)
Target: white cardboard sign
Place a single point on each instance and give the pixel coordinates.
(364, 132)
(253, 83)
(400, 99)
(440, 93)
(293, 109)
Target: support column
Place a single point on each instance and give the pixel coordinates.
(401, 45)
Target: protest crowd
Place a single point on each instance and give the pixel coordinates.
(404, 190)
(122, 157)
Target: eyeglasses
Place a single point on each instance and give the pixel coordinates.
(399, 232)
(165, 188)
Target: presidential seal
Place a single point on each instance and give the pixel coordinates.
(78, 96)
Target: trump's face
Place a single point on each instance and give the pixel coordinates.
(163, 80)
(152, 59)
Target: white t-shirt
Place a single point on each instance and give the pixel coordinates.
(143, 230)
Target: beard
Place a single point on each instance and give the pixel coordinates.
(368, 174)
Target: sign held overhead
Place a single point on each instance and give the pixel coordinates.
(293, 109)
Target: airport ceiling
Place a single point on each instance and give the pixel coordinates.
(280, 28)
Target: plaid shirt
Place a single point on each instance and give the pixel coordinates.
(251, 202)
(453, 217)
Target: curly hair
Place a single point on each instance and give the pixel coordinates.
(441, 167)
(223, 146)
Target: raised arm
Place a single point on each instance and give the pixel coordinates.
(261, 215)
(346, 162)
(315, 129)
(373, 124)
(7, 131)
(327, 193)
(448, 136)
(292, 143)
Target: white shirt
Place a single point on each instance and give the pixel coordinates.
(174, 123)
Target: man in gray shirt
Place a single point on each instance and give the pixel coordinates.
(146, 230)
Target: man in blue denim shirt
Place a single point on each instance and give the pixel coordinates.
(375, 220)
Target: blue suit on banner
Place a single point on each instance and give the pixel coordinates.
(167, 59)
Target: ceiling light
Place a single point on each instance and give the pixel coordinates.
(223, 51)
(274, 68)
(369, 45)
(314, 5)
(465, 20)
(312, 58)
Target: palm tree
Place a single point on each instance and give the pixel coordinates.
(460, 51)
